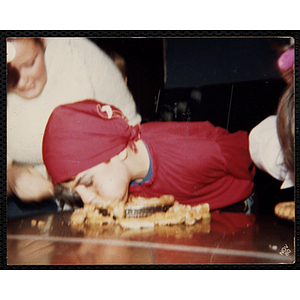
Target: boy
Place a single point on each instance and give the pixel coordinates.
(90, 147)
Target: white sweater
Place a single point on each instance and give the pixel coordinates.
(76, 70)
(266, 153)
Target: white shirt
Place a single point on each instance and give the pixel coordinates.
(266, 153)
(76, 70)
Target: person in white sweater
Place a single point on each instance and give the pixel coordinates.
(42, 74)
(271, 142)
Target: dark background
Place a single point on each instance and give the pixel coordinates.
(201, 61)
(237, 78)
(145, 68)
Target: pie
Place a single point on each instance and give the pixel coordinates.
(285, 210)
(114, 213)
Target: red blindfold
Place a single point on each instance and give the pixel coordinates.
(81, 135)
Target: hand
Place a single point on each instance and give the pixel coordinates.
(28, 184)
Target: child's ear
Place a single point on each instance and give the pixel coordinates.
(123, 154)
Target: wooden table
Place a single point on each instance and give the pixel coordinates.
(228, 238)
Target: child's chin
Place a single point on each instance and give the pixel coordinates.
(31, 94)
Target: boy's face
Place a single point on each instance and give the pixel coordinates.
(107, 181)
(30, 66)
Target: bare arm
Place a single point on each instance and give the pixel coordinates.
(27, 183)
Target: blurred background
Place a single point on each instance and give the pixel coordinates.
(202, 78)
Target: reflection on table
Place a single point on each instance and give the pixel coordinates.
(226, 238)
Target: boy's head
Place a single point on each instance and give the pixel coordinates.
(26, 70)
(81, 135)
(120, 63)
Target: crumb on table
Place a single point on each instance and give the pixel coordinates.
(41, 224)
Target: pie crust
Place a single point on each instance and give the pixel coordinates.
(115, 211)
(285, 210)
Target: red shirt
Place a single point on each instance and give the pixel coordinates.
(197, 163)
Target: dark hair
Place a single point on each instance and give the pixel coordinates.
(12, 77)
(119, 62)
(12, 74)
(286, 126)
